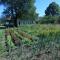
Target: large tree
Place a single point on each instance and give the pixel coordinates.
(19, 9)
(52, 9)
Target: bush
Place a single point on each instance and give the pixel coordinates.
(49, 19)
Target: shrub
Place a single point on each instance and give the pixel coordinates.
(49, 20)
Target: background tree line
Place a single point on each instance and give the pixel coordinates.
(52, 14)
(25, 9)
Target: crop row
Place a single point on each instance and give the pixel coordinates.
(48, 45)
(15, 38)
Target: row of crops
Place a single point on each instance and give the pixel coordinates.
(19, 43)
(36, 42)
(48, 41)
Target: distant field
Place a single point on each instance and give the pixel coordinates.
(39, 41)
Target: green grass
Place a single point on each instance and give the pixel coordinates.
(1, 32)
(40, 29)
(2, 49)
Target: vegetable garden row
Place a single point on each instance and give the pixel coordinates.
(33, 43)
(19, 41)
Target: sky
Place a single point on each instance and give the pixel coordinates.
(1, 9)
(41, 6)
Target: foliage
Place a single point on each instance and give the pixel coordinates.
(48, 42)
(1, 33)
(45, 44)
(52, 9)
(9, 41)
(37, 29)
(49, 20)
(2, 49)
(23, 9)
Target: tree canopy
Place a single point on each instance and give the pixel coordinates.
(52, 9)
(19, 9)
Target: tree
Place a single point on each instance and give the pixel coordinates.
(50, 20)
(19, 9)
(52, 9)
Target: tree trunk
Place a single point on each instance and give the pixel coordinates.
(14, 16)
(15, 21)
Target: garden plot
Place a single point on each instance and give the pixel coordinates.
(40, 42)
